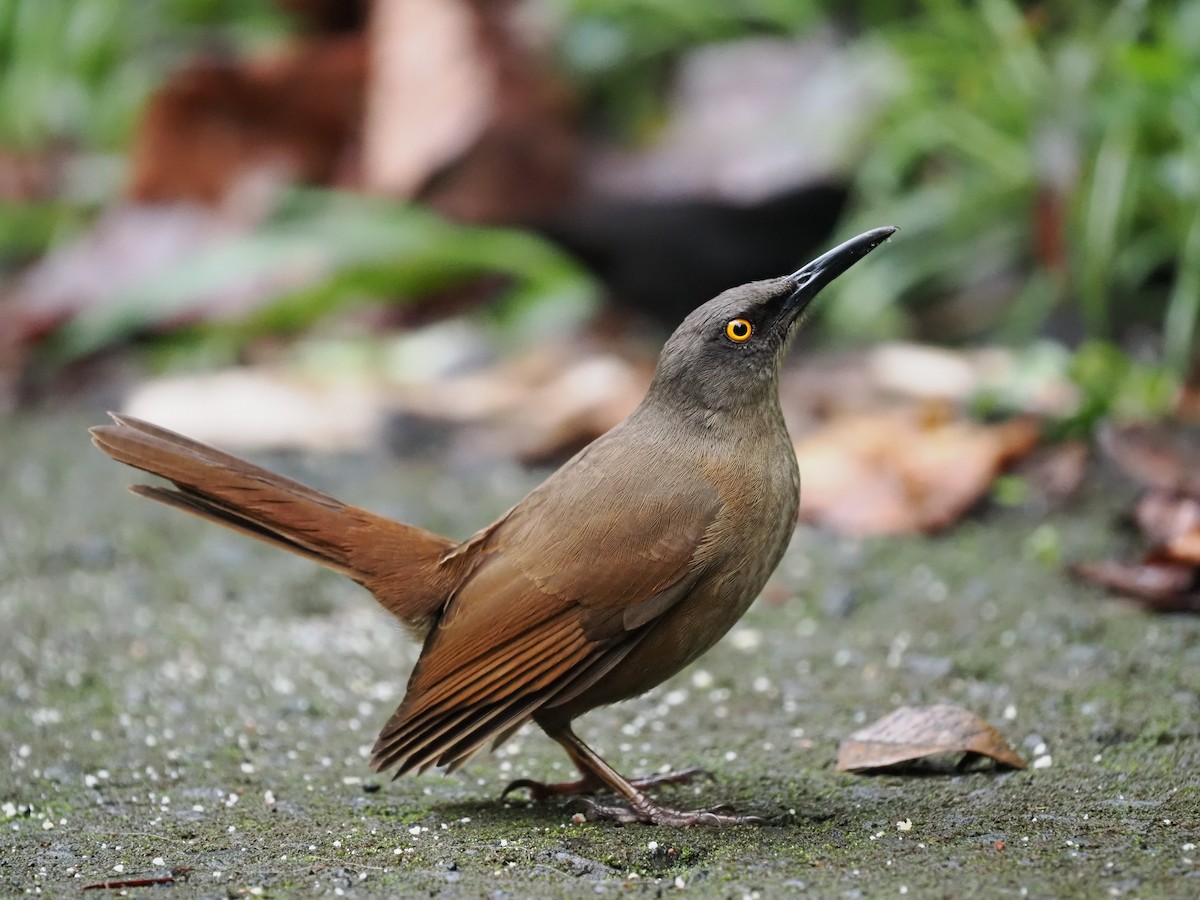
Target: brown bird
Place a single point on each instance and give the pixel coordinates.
(616, 572)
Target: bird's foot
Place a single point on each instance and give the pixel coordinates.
(539, 790)
(645, 812)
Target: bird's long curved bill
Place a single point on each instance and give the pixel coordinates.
(815, 275)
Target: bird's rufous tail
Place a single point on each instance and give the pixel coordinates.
(400, 564)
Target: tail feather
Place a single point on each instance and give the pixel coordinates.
(400, 564)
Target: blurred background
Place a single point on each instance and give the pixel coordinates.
(465, 226)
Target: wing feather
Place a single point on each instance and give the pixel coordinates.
(558, 592)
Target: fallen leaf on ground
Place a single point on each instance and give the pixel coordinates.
(89, 274)
(264, 409)
(902, 472)
(1054, 473)
(1166, 457)
(912, 732)
(1160, 585)
(536, 408)
(1172, 521)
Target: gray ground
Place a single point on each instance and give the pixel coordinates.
(175, 696)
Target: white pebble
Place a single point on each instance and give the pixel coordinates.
(746, 639)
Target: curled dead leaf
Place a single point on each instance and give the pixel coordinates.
(908, 471)
(1160, 585)
(1155, 455)
(912, 732)
(1172, 520)
(1167, 578)
(1055, 472)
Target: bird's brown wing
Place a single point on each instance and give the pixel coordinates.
(563, 588)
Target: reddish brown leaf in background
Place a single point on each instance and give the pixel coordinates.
(90, 271)
(912, 732)
(538, 407)
(1165, 457)
(906, 471)
(1160, 585)
(29, 176)
(1172, 520)
(1049, 227)
(464, 114)
(431, 92)
(1055, 472)
(1155, 455)
(439, 100)
(215, 122)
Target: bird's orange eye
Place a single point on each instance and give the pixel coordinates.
(738, 330)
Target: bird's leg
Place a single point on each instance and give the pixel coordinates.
(590, 783)
(587, 784)
(597, 772)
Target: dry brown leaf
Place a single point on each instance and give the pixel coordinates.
(214, 123)
(1172, 520)
(540, 406)
(1159, 585)
(908, 471)
(1167, 578)
(28, 176)
(1161, 456)
(89, 272)
(431, 92)
(465, 114)
(912, 732)
(1055, 472)
(263, 408)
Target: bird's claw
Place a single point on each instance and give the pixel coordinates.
(537, 790)
(647, 813)
(683, 776)
(540, 790)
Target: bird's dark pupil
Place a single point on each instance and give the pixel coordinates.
(739, 328)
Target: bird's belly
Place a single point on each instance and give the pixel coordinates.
(699, 620)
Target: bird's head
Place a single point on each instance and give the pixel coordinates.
(727, 353)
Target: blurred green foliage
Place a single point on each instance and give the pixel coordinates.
(75, 72)
(1041, 158)
(1112, 384)
(621, 52)
(1047, 152)
(1106, 381)
(73, 76)
(329, 250)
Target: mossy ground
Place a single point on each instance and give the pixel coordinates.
(175, 696)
